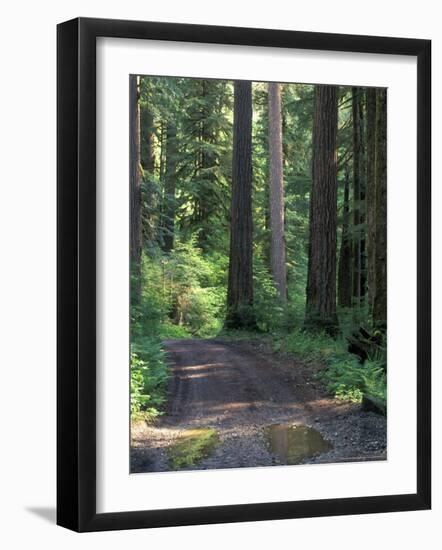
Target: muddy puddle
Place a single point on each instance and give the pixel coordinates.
(192, 446)
(293, 444)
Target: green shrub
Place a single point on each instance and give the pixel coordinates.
(149, 310)
(149, 375)
(193, 288)
(170, 331)
(183, 293)
(349, 379)
(201, 310)
(346, 378)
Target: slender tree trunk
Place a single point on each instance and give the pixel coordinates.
(150, 198)
(371, 195)
(161, 167)
(160, 174)
(321, 279)
(380, 295)
(276, 192)
(170, 188)
(357, 197)
(134, 178)
(240, 280)
(265, 147)
(267, 233)
(344, 269)
(207, 203)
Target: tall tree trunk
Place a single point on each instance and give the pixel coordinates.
(146, 140)
(170, 188)
(240, 281)
(160, 174)
(264, 144)
(276, 193)
(321, 279)
(134, 179)
(344, 269)
(363, 203)
(147, 158)
(207, 203)
(371, 194)
(357, 197)
(162, 163)
(380, 296)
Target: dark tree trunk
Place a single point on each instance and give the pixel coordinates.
(344, 269)
(160, 174)
(134, 178)
(363, 203)
(207, 202)
(170, 188)
(357, 198)
(371, 194)
(150, 198)
(240, 281)
(162, 163)
(276, 193)
(321, 279)
(146, 138)
(380, 296)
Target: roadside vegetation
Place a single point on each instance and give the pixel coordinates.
(183, 300)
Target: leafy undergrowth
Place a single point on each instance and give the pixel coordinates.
(345, 377)
(149, 375)
(191, 447)
(173, 332)
(348, 379)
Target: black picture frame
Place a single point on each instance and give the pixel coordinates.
(76, 274)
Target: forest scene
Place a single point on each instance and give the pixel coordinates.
(258, 265)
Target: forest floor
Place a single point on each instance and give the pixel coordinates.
(240, 388)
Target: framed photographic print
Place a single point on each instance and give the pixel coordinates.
(243, 274)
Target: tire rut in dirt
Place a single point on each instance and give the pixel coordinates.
(239, 388)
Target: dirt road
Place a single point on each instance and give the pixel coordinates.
(240, 388)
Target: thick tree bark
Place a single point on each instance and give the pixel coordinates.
(276, 193)
(146, 139)
(371, 194)
(344, 269)
(321, 279)
(358, 197)
(240, 280)
(134, 178)
(363, 203)
(170, 188)
(380, 296)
